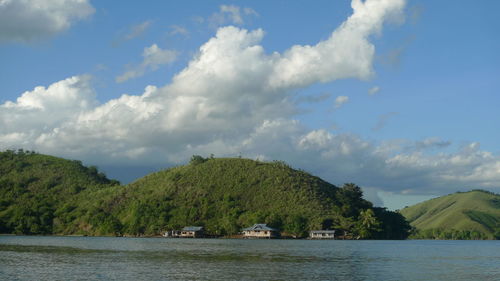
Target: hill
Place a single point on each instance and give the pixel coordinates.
(43, 194)
(227, 194)
(463, 215)
(34, 188)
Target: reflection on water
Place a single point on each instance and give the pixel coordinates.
(102, 258)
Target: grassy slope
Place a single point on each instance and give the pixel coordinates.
(474, 210)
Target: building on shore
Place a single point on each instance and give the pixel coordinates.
(260, 230)
(322, 234)
(172, 233)
(192, 232)
(186, 232)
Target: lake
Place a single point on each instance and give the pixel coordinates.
(108, 258)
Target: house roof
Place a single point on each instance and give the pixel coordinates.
(192, 228)
(322, 231)
(260, 226)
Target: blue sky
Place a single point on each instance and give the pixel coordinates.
(401, 100)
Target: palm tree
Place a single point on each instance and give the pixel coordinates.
(368, 223)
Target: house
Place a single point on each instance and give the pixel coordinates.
(260, 230)
(172, 233)
(322, 234)
(192, 232)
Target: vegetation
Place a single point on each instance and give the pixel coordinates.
(463, 215)
(47, 195)
(37, 191)
(225, 195)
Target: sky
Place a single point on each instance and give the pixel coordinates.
(399, 97)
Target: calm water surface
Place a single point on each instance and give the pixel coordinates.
(103, 258)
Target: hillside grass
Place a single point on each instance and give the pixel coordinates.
(474, 211)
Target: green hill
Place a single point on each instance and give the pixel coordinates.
(48, 195)
(35, 188)
(463, 215)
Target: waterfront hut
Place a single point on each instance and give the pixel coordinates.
(192, 232)
(322, 234)
(171, 233)
(260, 230)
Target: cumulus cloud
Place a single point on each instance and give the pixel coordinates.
(31, 20)
(235, 98)
(373, 90)
(44, 109)
(341, 100)
(154, 57)
(346, 53)
(230, 87)
(343, 158)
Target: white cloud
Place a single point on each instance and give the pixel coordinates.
(228, 89)
(233, 12)
(343, 158)
(30, 20)
(373, 90)
(154, 57)
(44, 109)
(346, 53)
(231, 87)
(341, 100)
(234, 98)
(230, 14)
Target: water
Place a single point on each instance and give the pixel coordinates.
(106, 258)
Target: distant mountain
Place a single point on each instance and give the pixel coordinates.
(462, 215)
(41, 194)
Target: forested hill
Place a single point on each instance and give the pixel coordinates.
(227, 194)
(48, 195)
(462, 215)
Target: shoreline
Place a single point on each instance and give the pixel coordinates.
(235, 238)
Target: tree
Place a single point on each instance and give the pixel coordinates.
(197, 159)
(296, 225)
(351, 198)
(497, 233)
(345, 224)
(368, 224)
(393, 225)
